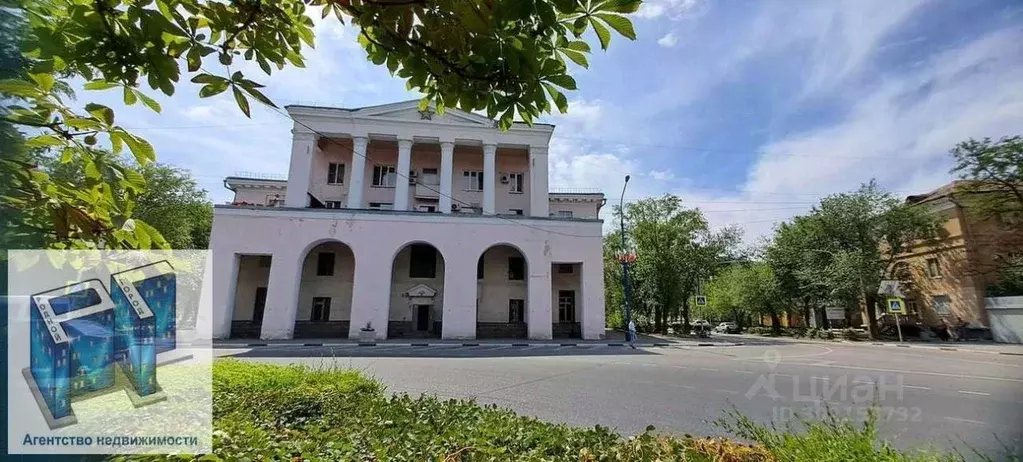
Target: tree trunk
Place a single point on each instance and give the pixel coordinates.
(806, 312)
(871, 300)
(685, 316)
(775, 323)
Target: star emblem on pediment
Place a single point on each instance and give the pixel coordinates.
(426, 114)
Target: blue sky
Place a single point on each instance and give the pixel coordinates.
(752, 110)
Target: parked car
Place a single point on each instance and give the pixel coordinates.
(728, 327)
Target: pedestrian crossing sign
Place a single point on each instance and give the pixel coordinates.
(896, 306)
(701, 300)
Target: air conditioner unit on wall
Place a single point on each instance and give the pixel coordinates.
(504, 179)
(454, 207)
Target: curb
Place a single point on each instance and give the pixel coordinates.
(473, 344)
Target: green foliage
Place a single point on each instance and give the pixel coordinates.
(823, 440)
(502, 57)
(994, 170)
(675, 250)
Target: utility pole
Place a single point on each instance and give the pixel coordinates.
(625, 267)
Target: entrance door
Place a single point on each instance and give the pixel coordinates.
(260, 305)
(423, 318)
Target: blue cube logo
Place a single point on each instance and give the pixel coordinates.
(81, 331)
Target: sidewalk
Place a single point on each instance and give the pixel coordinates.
(969, 347)
(643, 342)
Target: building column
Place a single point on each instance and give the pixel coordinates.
(447, 159)
(539, 316)
(371, 293)
(225, 272)
(401, 174)
(282, 295)
(489, 174)
(359, 145)
(303, 148)
(592, 288)
(538, 201)
(459, 317)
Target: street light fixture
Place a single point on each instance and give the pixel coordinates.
(625, 267)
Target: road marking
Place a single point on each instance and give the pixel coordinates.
(967, 392)
(779, 374)
(916, 387)
(730, 392)
(746, 372)
(868, 382)
(822, 378)
(901, 371)
(708, 369)
(956, 419)
(786, 357)
(680, 367)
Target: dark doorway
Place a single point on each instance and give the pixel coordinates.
(259, 306)
(423, 318)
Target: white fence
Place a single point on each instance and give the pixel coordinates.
(1006, 316)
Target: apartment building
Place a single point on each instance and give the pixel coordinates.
(948, 277)
(413, 224)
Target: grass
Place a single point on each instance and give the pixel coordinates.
(269, 412)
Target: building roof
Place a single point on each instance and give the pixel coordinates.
(950, 189)
(398, 104)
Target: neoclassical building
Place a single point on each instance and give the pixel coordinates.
(413, 224)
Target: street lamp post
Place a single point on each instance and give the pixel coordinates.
(625, 267)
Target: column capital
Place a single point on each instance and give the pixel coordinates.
(404, 144)
(489, 148)
(303, 136)
(448, 145)
(360, 142)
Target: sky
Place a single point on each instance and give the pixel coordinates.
(750, 110)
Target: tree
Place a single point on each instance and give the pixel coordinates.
(794, 255)
(860, 234)
(172, 202)
(675, 250)
(994, 172)
(501, 57)
(614, 293)
(749, 287)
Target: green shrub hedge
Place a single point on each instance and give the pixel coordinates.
(269, 412)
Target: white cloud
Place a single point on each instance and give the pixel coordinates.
(673, 9)
(669, 40)
(661, 175)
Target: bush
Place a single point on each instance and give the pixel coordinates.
(851, 334)
(269, 412)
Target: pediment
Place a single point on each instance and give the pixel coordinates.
(421, 291)
(409, 111)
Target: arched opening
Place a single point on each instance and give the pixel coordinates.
(417, 292)
(501, 293)
(250, 295)
(325, 292)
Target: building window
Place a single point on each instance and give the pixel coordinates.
(516, 269)
(333, 204)
(911, 307)
(325, 264)
(515, 183)
(321, 309)
(566, 306)
(383, 176)
(565, 268)
(274, 200)
(515, 211)
(516, 310)
(423, 261)
(335, 173)
(933, 269)
(381, 205)
(430, 177)
(473, 180)
(479, 268)
(940, 303)
(427, 208)
(264, 261)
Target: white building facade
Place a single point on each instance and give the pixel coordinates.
(412, 224)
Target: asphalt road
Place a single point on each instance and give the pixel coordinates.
(924, 397)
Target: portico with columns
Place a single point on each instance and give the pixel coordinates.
(414, 223)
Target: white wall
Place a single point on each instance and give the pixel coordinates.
(1006, 317)
(289, 234)
(494, 290)
(250, 276)
(400, 308)
(338, 287)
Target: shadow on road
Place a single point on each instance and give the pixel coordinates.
(454, 351)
